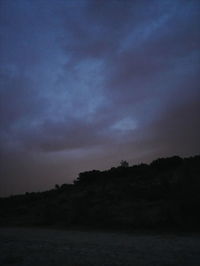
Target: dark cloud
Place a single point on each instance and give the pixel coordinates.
(85, 84)
(66, 135)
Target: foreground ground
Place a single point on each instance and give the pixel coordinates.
(31, 246)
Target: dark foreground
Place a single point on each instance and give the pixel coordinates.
(27, 246)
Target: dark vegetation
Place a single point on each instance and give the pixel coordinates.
(164, 194)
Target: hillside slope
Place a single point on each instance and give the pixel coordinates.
(163, 194)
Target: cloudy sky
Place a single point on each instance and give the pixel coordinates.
(85, 84)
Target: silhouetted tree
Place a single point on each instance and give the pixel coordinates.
(124, 164)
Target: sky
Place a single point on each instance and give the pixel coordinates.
(85, 84)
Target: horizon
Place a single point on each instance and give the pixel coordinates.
(102, 170)
(86, 84)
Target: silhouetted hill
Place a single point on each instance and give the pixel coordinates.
(163, 194)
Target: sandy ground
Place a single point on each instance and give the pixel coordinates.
(45, 247)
